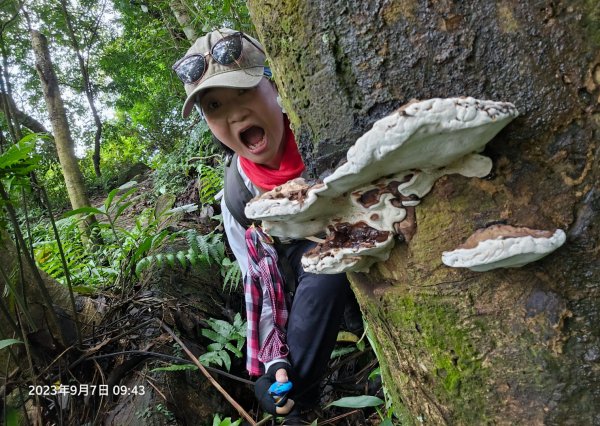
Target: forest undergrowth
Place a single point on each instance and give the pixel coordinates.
(159, 307)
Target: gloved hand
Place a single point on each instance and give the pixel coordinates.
(279, 372)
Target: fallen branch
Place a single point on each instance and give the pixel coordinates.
(223, 392)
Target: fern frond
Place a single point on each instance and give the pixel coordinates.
(175, 367)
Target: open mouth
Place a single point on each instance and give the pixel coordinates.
(254, 138)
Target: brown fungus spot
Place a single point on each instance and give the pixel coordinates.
(348, 235)
(495, 232)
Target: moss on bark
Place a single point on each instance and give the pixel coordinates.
(457, 347)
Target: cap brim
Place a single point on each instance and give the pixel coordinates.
(235, 79)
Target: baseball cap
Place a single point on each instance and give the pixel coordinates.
(245, 72)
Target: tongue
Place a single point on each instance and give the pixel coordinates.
(253, 135)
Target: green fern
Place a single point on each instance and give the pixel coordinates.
(203, 249)
(210, 247)
(232, 274)
(210, 182)
(226, 421)
(227, 338)
(175, 367)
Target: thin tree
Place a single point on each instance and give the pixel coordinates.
(181, 13)
(86, 83)
(60, 126)
(8, 105)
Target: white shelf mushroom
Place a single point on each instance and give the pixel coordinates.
(388, 170)
(503, 246)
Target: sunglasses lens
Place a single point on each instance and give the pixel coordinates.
(228, 50)
(190, 69)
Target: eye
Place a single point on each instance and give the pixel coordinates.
(242, 92)
(212, 105)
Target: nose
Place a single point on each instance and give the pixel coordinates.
(237, 113)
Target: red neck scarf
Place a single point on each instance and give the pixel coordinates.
(291, 165)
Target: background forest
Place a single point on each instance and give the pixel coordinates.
(109, 221)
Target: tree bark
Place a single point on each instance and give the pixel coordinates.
(8, 105)
(180, 12)
(60, 126)
(39, 320)
(509, 346)
(87, 87)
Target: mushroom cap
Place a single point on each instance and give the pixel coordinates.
(422, 135)
(387, 170)
(503, 246)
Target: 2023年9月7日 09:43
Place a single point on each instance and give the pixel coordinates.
(85, 389)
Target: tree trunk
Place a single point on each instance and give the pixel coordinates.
(509, 346)
(8, 105)
(60, 126)
(182, 15)
(87, 87)
(37, 318)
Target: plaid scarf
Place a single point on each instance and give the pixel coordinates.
(263, 271)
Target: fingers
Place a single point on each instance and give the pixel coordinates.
(281, 375)
(286, 408)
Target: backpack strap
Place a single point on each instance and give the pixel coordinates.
(236, 196)
(236, 193)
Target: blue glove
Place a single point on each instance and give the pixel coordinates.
(263, 391)
(279, 391)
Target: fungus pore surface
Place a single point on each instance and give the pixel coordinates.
(503, 246)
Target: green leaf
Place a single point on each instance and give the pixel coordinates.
(222, 327)
(192, 258)
(170, 259)
(109, 198)
(141, 265)
(84, 289)
(17, 153)
(215, 337)
(160, 237)
(83, 210)
(215, 347)
(181, 257)
(361, 345)
(234, 350)
(357, 402)
(211, 358)
(375, 373)
(226, 360)
(386, 422)
(8, 342)
(121, 208)
(340, 352)
(12, 416)
(143, 248)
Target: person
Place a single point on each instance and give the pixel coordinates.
(226, 80)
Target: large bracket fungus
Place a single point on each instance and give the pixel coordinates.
(371, 198)
(503, 246)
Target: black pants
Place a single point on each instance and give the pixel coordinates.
(313, 323)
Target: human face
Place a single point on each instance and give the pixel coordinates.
(249, 121)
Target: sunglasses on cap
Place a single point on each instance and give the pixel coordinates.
(226, 51)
